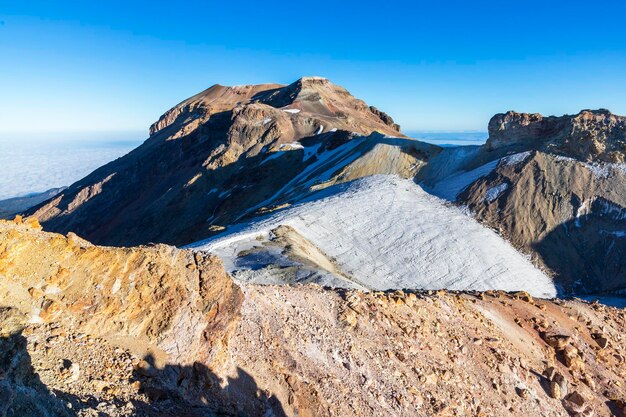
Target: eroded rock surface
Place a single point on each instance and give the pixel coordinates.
(591, 135)
(569, 215)
(153, 300)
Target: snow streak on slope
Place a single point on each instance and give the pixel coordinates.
(449, 188)
(385, 232)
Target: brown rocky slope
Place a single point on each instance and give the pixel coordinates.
(563, 198)
(177, 337)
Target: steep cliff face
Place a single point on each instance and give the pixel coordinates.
(221, 155)
(590, 136)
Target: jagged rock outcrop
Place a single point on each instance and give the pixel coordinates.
(591, 135)
(174, 304)
(226, 153)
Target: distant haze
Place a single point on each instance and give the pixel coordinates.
(33, 163)
(458, 138)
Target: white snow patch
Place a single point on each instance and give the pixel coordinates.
(494, 192)
(450, 187)
(583, 210)
(267, 120)
(516, 158)
(606, 208)
(598, 169)
(604, 170)
(319, 171)
(613, 210)
(561, 158)
(320, 130)
(387, 232)
(334, 129)
(291, 146)
(451, 161)
(292, 111)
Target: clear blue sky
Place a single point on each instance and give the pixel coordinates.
(118, 65)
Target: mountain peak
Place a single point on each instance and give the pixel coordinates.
(318, 98)
(313, 79)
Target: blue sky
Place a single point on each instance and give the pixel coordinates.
(117, 66)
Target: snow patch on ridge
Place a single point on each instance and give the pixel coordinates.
(495, 192)
(598, 169)
(449, 188)
(516, 158)
(291, 146)
(386, 232)
(317, 172)
(601, 207)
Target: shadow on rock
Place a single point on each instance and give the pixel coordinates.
(587, 253)
(195, 390)
(21, 391)
(174, 390)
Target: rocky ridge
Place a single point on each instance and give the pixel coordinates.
(569, 214)
(105, 291)
(590, 136)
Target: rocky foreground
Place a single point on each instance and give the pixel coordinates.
(157, 331)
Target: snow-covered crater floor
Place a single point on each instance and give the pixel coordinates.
(387, 233)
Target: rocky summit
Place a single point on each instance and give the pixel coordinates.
(591, 135)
